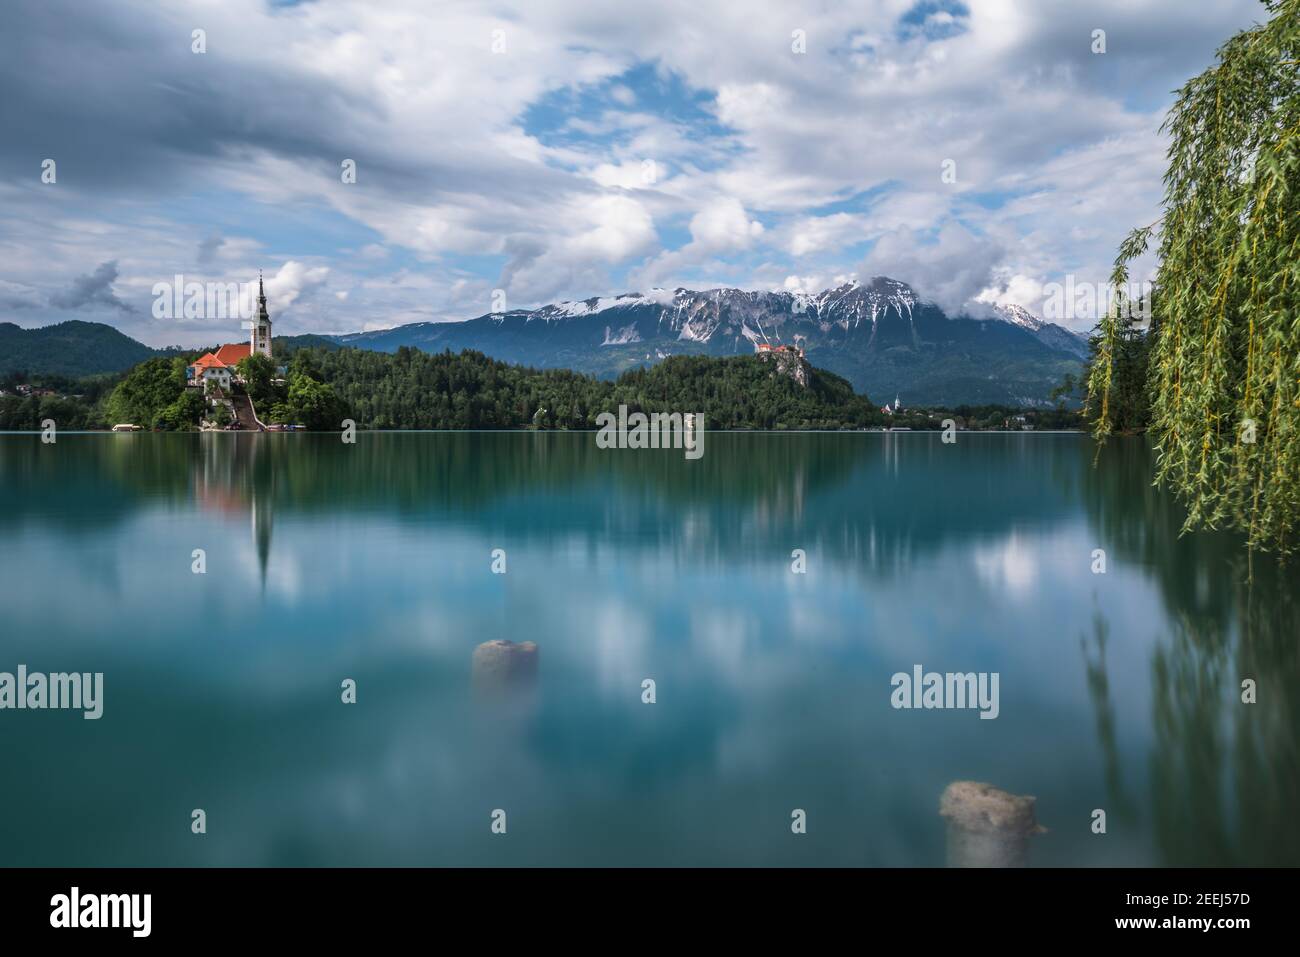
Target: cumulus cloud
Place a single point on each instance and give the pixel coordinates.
(208, 248)
(295, 283)
(616, 227)
(292, 291)
(813, 234)
(1014, 290)
(590, 236)
(722, 226)
(15, 295)
(951, 268)
(629, 174)
(94, 289)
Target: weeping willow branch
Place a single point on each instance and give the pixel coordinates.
(1224, 372)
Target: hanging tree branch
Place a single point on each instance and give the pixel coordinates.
(1224, 374)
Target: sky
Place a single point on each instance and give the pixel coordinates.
(508, 155)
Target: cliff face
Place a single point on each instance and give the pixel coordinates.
(790, 364)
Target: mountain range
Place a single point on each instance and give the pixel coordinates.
(881, 336)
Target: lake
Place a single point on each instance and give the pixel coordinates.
(324, 562)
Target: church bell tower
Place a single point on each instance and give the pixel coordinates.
(261, 338)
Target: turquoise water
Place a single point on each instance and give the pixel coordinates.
(1118, 691)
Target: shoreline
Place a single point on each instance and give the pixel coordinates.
(563, 432)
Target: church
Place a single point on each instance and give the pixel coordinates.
(219, 367)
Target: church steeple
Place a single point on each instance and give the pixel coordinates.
(261, 338)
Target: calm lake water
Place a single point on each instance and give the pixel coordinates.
(373, 562)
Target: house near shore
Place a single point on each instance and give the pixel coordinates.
(208, 370)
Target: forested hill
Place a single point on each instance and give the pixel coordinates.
(72, 349)
(77, 349)
(414, 389)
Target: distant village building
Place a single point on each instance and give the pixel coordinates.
(793, 350)
(897, 406)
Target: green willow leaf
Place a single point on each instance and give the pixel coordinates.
(1221, 363)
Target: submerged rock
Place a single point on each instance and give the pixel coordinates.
(987, 827)
(501, 663)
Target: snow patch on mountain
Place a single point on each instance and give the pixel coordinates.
(587, 307)
(1018, 316)
(853, 303)
(624, 335)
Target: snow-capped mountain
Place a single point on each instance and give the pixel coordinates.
(1019, 315)
(880, 335)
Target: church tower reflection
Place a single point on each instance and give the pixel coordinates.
(233, 474)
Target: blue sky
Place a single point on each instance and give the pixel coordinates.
(555, 151)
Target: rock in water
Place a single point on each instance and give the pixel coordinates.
(987, 827)
(502, 663)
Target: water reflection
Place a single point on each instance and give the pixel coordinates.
(882, 499)
(1099, 690)
(1220, 769)
(1121, 691)
(227, 480)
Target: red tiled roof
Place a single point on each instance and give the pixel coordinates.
(232, 352)
(207, 360)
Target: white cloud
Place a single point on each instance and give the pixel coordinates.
(813, 234)
(722, 226)
(779, 172)
(590, 235)
(294, 281)
(629, 174)
(617, 227)
(1014, 290)
(951, 268)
